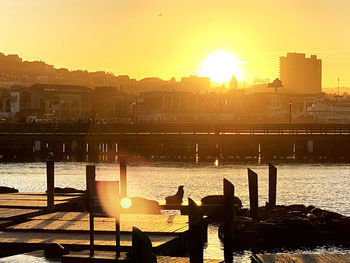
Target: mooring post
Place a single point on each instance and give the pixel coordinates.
(90, 178)
(229, 192)
(123, 185)
(50, 180)
(272, 184)
(253, 194)
(195, 232)
(117, 223)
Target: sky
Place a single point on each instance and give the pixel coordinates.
(171, 38)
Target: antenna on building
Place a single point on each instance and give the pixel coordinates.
(338, 86)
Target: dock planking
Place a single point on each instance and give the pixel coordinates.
(33, 201)
(108, 256)
(13, 213)
(72, 229)
(302, 258)
(77, 240)
(79, 222)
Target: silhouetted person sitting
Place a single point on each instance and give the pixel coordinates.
(177, 198)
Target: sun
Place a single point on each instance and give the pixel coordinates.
(219, 66)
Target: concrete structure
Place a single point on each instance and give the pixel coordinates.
(81, 142)
(301, 75)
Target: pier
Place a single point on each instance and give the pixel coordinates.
(189, 143)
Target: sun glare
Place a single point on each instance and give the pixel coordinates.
(220, 66)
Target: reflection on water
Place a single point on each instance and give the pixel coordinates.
(324, 186)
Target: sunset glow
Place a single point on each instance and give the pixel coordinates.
(220, 66)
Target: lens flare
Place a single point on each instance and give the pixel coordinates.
(108, 198)
(216, 163)
(125, 202)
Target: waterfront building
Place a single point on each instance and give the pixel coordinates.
(112, 104)
(301, 75)
(58, 101)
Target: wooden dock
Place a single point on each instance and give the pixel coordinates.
(72, 230)
(105, 256)
(302, 258)
(70, 222)
(18, 207)
(35, 200)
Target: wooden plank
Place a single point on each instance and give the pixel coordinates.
(253, 194)
(272, 184)
(31, 204)
(33, 201)
(82, 239)
(229, 193)
(302, 258)
(75, 221)
(108, 256)
(50, 182)
(38, 196)
(162, 259)
(9, 213)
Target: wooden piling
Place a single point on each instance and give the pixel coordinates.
(195, 232)
(90, 178)
(50, 180)
(272, 184)
(117, 222)
(123, 183)
(253, 194)
(229, 190)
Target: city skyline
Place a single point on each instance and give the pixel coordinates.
(172, 39)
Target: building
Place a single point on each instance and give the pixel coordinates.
(54, 101)
(233, 82)
(194, 84)
(301, 75)
(112, 104)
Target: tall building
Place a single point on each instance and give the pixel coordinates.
(301, 75)
(233, 82)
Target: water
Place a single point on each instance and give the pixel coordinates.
(324, 186)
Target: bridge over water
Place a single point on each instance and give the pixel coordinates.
(170, 142)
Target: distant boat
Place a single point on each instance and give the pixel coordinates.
(337, 111)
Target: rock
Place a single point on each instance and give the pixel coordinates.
(5, 190)
(216, 214)
(241, 223)
(316, 211)
(219, 199)
(55, 250)
(296, 207)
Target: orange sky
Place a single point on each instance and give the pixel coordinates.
(169, 38)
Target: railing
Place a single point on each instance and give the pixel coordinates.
(178, 129)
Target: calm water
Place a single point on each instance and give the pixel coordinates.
(324, 186)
